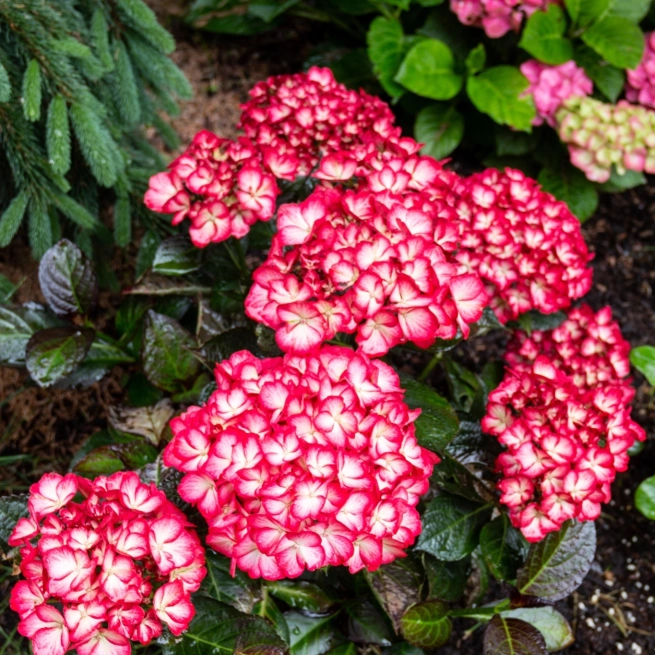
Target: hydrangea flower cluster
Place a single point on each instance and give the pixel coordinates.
(222, 186)
(302, 462)
(523, 242)
(119, 564)
(640, 85)
(376, 261)
(306, 116)
(601, 135)
(497, 17)
(562, 412)
(550, 86)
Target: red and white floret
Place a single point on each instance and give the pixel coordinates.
(302, 462)
(524, 243)
(562, 411)
(105, 570)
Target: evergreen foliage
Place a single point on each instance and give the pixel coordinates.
(79, 80)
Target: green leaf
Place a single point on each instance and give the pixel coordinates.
(310, 635)
(428, 70)
(608, 79)
(12, 217)
(176, 256)
(543, 36)
(144, 20)
(386, 49)
(476, 59)
(54, 353)
(570, 185)
(396, 586)
(634, 10)
(126, 90)
(239, 591)
(534, 320)
(147, 250)
(618, 183)
(5, 85)
(618, 40)
(427, 624)
(557, 564)
(267, 609)
(12, 508)
(219, 629)
(167, 357)
(437, 424)
(32, 91)
(584, 12)
(643, 359)
(101, 461)
(451, 527)
(147, 422)
(497, 93)
(17, 325)
(446, 580)
(503, 548)
(302, 595)
(224, 345)
(510, 142)
(267, 10)
(366, 625)
(440, 128)
(68, 281)
(512, 637)
(645, 498)
(554, 628)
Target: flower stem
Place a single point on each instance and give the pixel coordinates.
(436, 358)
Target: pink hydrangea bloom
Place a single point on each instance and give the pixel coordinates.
(119, 564)
(497, 17)
(377, 261)
(640, 85)
(302, 462)
(524, 243)
(562, 411)
(550, 86)
(223, 187)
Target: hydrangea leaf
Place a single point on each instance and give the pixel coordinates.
(310, 635)
(643, 359)
(512, 637)
(386, 49)
(440, 128)
(570, 185)
(239, 591)
(645, 498)
(555, 629)
(17, 325)
(503, 548)
(366, 624)
(446, 580)
(12, 508)
(148, 422)
(557, 564)
(301, 595)
(617, 39)
(427, 625)
(543, 36)
(176, 256)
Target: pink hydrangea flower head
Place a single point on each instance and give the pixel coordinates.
(601, 136)
(303, 461)
(550, 86)
(377, 261)
(309, 115)
(223, 187)
(525, 244)
(497, 17)
(640, 83)
(562, 412)
(101, 559)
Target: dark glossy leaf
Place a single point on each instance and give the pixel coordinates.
(176, 256)
(344, 649)
(555, 629)
(267, 609)
(386, 49)
(101, 461)
(428, 70)
(503, 548)
(17, 325)
(167, 357)
(438, 423)
(440, 127)
(210, 323)
(404, 648)
(12, 508)
(451, 526)
(302, 595)
(136, 454)
(463, 384)
(618, 183)
(149, 422)
(446, 580)
(219, 629)
(645, 498)
(310, 635)
(534, 320)
(226, 344)
(557, 564)
(569, 184)
(366, 625)
(54, 353)
(608, 79)
(396, 586)
(67, 279)
(239, 591)
(427, 624)
(479, 581)
(146, 255)
(643, 359)
(512, 637)
(140, 393)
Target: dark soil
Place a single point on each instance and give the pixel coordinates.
(614, 609)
